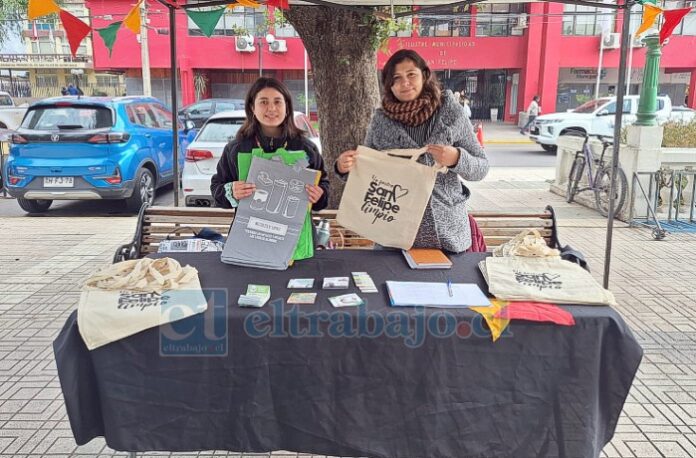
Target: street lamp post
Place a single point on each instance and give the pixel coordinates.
(647, 103)
(269, 39)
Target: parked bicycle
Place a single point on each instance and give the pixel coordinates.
(598, 177)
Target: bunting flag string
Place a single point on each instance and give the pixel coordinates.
(249, 3)
(672, 20)
(282, 4)
(132, 20)
(206, 20)
(75, 29)
(649, 15)
(38, 8)
(108, 34)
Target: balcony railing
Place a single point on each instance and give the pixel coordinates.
(43, 58)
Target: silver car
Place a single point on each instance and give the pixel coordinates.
(203, 154)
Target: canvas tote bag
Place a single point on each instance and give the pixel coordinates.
(386, 195)
(132, 296)
(553, 280)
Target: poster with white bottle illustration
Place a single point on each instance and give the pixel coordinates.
(267, 225)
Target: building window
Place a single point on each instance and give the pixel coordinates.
(108, 80)
(498, 19)
(46, 79)
(587, 20)
(238, 21)
(81, 50)
(456, 23)
(43, 45)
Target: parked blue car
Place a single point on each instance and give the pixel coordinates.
(73, 148)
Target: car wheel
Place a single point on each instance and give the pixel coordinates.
(34, 205)
(144, 191)
(549, 148)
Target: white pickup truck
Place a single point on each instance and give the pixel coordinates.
(597, 117)
(10, 115)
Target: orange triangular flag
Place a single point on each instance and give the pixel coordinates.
(249, 3)
(132, 20)
(38, 8)
(232, 6)
(650, 13)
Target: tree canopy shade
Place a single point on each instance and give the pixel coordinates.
(11, 14)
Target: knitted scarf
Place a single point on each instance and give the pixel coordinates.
(413, 113)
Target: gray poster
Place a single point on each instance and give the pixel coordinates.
(267, 225)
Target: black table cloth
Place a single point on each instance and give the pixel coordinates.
(540, 390)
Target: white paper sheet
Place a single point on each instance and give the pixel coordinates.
(434, 294)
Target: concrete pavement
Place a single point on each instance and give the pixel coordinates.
(500, 133)
(44, 260)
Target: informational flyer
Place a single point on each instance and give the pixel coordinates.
(267, 225)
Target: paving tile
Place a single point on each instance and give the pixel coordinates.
(40, 274)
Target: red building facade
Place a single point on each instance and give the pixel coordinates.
(539, 53)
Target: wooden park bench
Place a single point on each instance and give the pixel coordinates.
(159, 223)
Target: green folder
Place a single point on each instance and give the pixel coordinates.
(305, 245)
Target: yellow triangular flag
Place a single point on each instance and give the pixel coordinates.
(132, 20)
(38, 8)
(496, 325)
(650, 12)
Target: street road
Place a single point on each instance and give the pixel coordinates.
(512, 155)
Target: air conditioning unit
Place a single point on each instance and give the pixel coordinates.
(611, 41)
(244, 43)
(278, 46)
(638, 42)
(521, 21)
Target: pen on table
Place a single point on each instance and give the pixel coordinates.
(449, 287)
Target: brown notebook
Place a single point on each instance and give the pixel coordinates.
(427, 258)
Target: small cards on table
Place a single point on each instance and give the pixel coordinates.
(346, 300)
(302, 298)
(364, 282)
(301, 283)
(256, 296)
(336, 283)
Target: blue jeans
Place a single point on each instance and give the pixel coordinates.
(529, 123)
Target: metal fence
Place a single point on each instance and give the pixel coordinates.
(669, 202)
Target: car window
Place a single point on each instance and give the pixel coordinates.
(225, 106)
(301, 123)
(660, 104)
(68, 117)
(164, 117)
(203, 108)
(140, 113)
(611, 107)
(589, 107)
(220, 130)
(5, 101)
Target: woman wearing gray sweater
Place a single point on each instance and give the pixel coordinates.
(416, 113)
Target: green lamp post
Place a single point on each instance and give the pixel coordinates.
(647, 104)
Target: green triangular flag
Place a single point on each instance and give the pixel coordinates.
(206, 20)
(108, 34)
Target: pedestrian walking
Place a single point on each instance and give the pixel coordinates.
(532, 112)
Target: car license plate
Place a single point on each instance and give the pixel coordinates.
(59, 182)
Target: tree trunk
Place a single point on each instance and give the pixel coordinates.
(344, 69)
